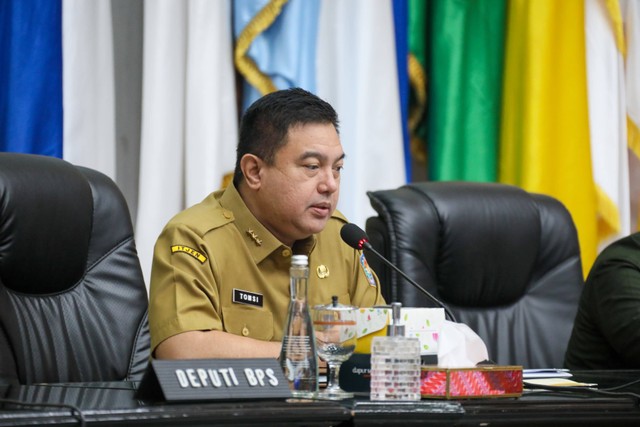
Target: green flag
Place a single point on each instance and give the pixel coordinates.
(417, 61)
(464, 75)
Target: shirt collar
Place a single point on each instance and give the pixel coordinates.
(258, 239)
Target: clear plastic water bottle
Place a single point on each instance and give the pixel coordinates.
(298, 354)
(395, 364)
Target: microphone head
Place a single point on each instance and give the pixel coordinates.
(354, 236)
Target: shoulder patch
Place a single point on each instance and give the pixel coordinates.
(367, 270)
(190, 251)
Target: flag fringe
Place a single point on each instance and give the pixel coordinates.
(245, 65)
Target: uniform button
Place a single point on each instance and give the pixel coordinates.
(245, 332)
(286, 252)
(226, 214)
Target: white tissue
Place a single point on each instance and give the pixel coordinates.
(459, 346)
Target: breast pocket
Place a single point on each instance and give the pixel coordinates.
(248, 322)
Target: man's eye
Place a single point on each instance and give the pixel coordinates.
(312, 167)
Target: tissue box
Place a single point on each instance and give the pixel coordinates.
(371, 322)
(355, 373)
(424, 324)
(477, 382)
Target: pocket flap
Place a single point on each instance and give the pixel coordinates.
(248, 322)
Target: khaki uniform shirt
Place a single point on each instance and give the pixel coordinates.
(215, 267)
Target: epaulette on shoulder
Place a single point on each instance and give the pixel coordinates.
(221, 217)
(204, 218)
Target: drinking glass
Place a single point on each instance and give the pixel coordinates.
(335, 330)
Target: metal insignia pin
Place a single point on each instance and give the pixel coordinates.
(254, 236)
(322, 271)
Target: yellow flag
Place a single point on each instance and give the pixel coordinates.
(545, 144)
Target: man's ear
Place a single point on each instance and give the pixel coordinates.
(251, 166)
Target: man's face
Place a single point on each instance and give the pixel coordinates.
(299, 192)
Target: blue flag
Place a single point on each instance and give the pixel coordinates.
(286, 50)
(31, 79)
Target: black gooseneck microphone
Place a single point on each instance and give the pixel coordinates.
(356, 237)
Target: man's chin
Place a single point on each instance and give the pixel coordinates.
(316, 225)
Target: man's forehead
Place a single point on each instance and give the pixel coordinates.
(320, 140)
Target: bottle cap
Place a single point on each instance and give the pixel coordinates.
(299, 260)
(396, 329)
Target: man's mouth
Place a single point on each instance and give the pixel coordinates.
(322, 207)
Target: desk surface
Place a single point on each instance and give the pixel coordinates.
(115, 404)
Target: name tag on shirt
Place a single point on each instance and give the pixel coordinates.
(246, 297)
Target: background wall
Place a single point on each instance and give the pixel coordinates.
(150, 91)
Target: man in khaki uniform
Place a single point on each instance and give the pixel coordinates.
(220, 275)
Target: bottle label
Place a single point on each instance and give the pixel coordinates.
(297, 346)
(299, 365)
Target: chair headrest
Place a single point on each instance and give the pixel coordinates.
(480, 240)
(45, 205)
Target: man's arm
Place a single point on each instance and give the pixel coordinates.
(214, 344)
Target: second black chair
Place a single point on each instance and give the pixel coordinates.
(505, 262)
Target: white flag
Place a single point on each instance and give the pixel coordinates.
(356, 73)
(88, 85)
(189, 120)
(607, 121)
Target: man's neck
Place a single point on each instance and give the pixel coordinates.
(249, 199)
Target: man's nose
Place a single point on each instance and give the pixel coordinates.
(330, 183)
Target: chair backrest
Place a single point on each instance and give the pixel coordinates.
(73, 303)
(505, 262)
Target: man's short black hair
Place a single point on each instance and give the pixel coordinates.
(265, 124)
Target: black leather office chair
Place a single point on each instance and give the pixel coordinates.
(506, 262)
(73, 304)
